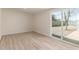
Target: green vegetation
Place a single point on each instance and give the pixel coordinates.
(55, 22)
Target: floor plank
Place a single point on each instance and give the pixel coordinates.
(33, 41)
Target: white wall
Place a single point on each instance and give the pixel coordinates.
(14, 21)
(42, 22)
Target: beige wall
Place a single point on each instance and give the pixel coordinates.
(15, 21)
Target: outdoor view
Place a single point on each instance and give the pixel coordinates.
(70, 25)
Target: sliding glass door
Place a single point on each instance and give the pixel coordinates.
(65, 24)
(71, 21)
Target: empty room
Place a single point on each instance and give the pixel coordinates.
(39, 29)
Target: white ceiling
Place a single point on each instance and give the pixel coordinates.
(33, 10)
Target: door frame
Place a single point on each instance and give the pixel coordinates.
(51, 31)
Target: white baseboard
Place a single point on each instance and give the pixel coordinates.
(42, 33)
(14, 33)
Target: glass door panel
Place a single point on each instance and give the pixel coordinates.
(56, 24)
(71, 25)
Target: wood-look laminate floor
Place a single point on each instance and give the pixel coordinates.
(33, 41)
